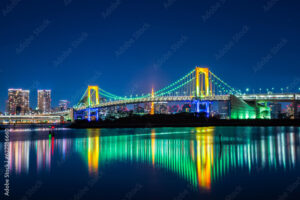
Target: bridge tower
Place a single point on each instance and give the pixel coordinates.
(90, 101)
(203, 89)
(152, 103)
(96, 90)
(200, 91)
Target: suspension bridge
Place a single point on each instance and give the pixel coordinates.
(199, 89)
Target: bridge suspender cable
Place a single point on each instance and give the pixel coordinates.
(192, 84)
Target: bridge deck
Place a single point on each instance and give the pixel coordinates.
(249, 97)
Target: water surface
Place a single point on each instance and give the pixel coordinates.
(159, 163)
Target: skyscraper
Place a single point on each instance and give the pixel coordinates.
(44, 100)
(63, 105)
(18, 101)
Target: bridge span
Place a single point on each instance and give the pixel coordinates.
(248, 97)
(199, 88)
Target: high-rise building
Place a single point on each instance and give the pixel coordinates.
(18, 101)
(63, 105)
(44, 101)
(275, 110)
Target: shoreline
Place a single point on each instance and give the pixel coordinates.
(261, 123)
(161, 120)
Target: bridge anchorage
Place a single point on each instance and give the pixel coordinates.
(199, 91)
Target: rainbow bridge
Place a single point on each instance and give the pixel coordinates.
(198, 89)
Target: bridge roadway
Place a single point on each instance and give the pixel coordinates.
(50, 117)
(247, 97)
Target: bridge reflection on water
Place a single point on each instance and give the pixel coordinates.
(200, 156)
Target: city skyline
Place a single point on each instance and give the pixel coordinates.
(43, 105)
(150, 47)
(150, 99)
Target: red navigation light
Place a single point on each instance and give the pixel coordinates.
(52, 127)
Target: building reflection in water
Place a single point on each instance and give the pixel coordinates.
(43, 154)
(201, 159)
(19, 156)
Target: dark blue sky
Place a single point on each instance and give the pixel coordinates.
(126, 46)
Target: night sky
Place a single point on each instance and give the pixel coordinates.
(128, 46)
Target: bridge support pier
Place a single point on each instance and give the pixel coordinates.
(197, 106)
(93, 112)
(203, 107)
(262, 110)
(79, 115)
(89, 114)
(86, 114)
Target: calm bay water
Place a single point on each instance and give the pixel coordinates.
(159, 163)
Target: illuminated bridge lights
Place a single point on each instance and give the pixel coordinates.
(96, 91)
(199, 84)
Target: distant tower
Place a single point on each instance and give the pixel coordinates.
(152, 103)
(44, 101)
